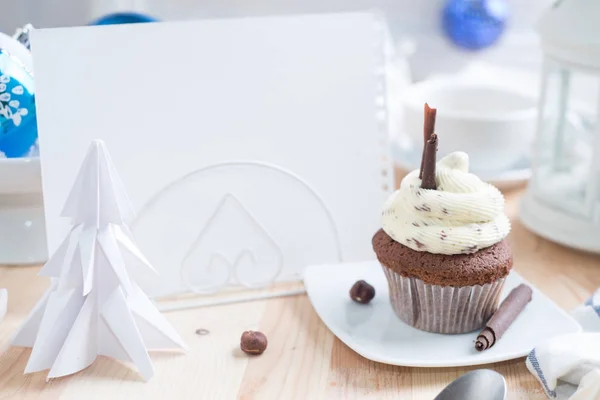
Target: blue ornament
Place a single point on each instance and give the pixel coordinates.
(18, 125)
(475, 24)
(123, 18)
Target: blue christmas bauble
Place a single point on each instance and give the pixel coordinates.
(474, 24)
(123, 18)
(18, 125)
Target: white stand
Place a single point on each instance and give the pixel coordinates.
(22, 227)
(92, 307)
(558, 226)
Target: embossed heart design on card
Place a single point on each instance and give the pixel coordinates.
(231, 233)
(226, 226)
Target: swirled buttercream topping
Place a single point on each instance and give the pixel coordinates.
(462, 216)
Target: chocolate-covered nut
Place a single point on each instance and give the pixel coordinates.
(253, 342)
(362, 292)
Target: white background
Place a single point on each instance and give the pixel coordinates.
(417, 19)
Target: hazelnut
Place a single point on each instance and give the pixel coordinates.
(253, 342)
(361, 292)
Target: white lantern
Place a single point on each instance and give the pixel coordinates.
(562, 202)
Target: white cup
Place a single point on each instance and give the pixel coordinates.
(493, 124)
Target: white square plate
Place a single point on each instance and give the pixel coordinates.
(374, 331)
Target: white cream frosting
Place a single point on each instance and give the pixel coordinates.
(462, 216)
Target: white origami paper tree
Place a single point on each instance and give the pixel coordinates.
(92, 308)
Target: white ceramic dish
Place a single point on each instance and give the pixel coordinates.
(516, 176)
(22, 225)
(374, 331)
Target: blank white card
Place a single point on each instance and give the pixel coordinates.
(250, 148)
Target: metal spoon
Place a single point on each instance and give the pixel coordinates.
(481, 384)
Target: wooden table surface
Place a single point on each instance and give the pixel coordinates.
(303, 360)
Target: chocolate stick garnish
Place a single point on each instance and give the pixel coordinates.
(508, 311)
(428, 129)
(429, 159)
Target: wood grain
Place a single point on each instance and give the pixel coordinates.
(303, 360)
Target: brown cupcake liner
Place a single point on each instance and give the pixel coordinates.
(442, 309)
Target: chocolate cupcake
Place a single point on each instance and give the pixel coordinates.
(443, 248)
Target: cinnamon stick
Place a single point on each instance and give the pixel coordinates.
(429, 160)
(428, 129)
(508, 311)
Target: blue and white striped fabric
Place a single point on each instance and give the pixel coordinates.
(588, 315)
(568, 366)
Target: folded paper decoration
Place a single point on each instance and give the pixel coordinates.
(93, 307)
(250, 148)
